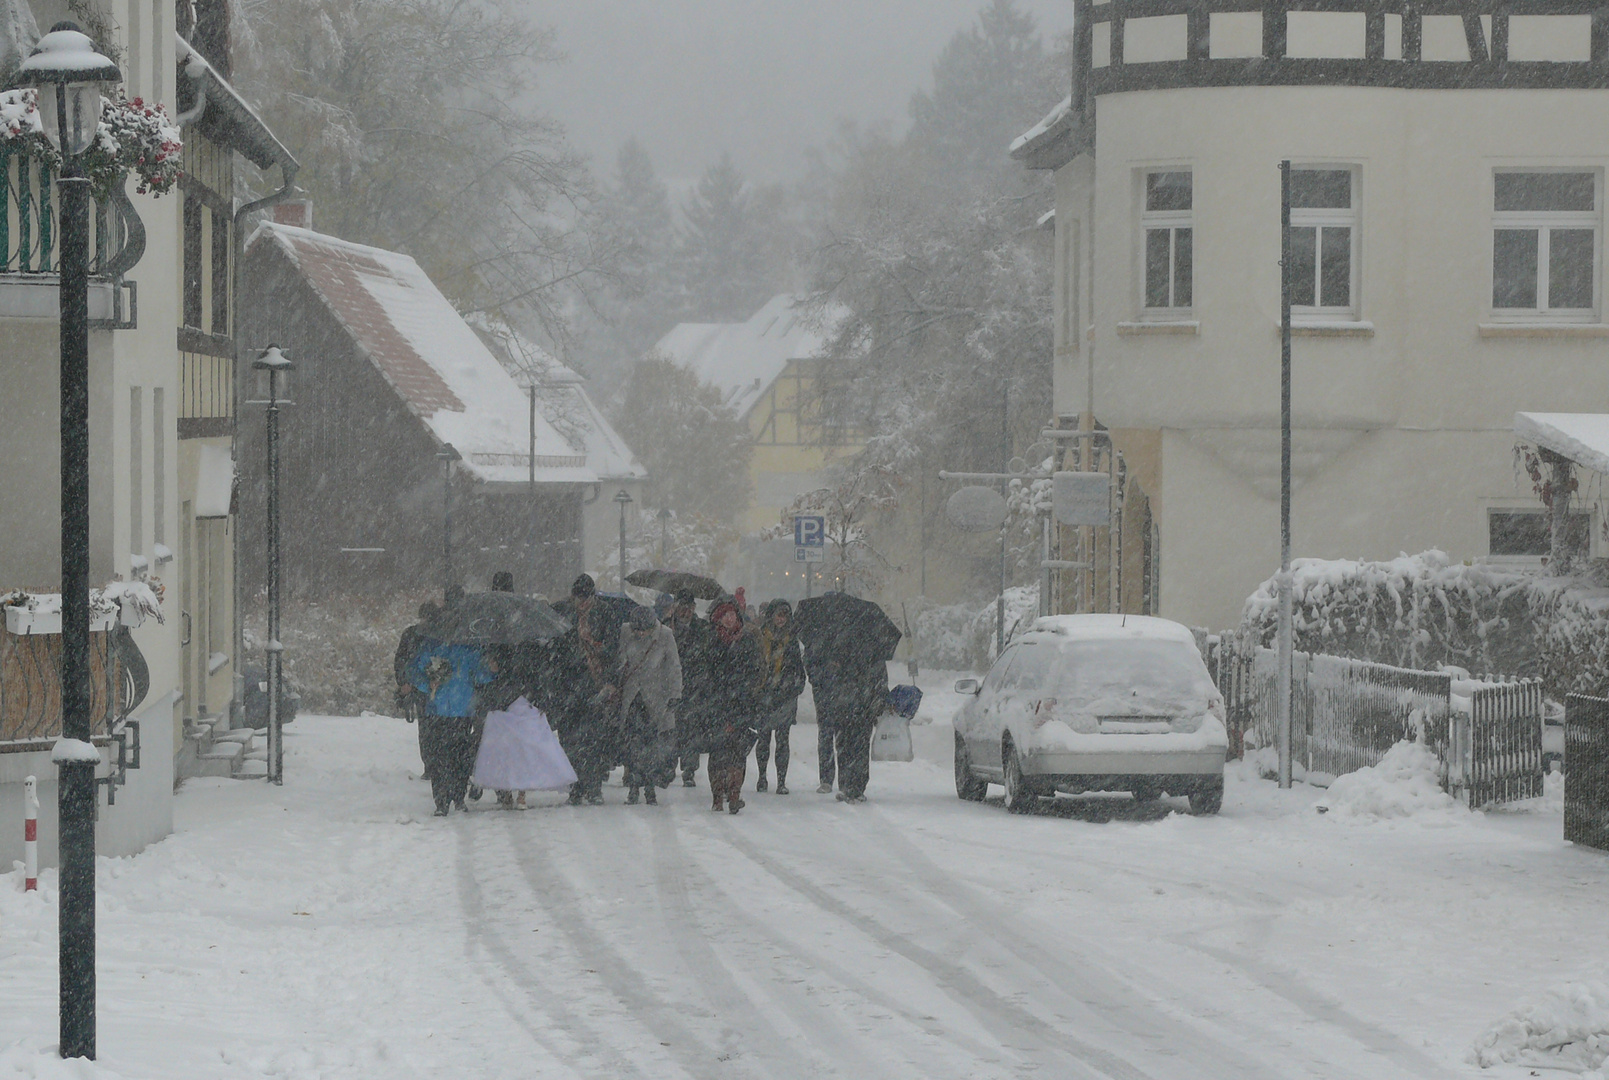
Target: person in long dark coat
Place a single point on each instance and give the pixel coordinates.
(782, 680)
(410, 701)
(589, 728)
(851, 693)
(734, 672)
(694, 638)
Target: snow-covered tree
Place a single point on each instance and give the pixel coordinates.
(414, 125)
(932, 244)
(695, 448)
(733, 247)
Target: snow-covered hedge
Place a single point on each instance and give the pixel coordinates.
(1565, 1029)
(961, 637)
(1424, 611)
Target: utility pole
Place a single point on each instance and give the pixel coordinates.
(1287, 653)
(447, 455)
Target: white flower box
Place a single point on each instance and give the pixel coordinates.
(24, 622)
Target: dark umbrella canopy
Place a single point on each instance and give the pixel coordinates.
(497, 618)
(677, 582)
(846, 628)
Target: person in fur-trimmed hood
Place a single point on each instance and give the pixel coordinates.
(734, 670)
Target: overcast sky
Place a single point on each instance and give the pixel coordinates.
(763, 79)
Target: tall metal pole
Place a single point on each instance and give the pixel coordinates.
(536, 548)
(447, 455)
(276, 733)
(622, 500)
(1005, 489)
(76, 773)
(1286, 614)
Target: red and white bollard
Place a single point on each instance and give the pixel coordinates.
(30, 835)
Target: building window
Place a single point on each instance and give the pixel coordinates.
(1324, 231)
(1166, 224)
(1545, 243)
(1525, 534)
(192, 261)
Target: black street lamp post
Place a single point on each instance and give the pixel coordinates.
(274, 364)
(664, 536)
(622, 500)
(447, 455)
(68, 73)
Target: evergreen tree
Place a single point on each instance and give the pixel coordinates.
(732, 246)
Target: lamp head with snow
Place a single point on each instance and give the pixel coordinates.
(68, 73)
(273, 369)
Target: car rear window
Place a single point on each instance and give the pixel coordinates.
(1131, 678)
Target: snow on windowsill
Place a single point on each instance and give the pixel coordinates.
(1166, 327)
(1333, 328)
(1540, 329)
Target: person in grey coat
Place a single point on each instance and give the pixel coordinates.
(650, 688)
(782, 680)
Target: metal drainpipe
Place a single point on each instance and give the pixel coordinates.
(287, 173)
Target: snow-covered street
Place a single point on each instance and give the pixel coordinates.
(332, 928)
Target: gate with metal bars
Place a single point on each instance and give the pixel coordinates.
(1499, 755)
(1586, 780)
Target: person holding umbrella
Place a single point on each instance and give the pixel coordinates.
(782, 680)
(694, 644)
(734, 672)
(848, 643)
(448, 674)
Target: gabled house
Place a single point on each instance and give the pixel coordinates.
(769, 369)
(405, 431)
(562, 398)
(1447, 236)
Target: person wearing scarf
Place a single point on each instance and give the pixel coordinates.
(782, 680)
(734, 668)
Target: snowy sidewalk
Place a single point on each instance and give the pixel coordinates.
(333, 929)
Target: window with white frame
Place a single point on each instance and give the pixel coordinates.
(1324, 236)
(1545, 243)
(1165, 225)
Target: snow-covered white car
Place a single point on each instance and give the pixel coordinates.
(1094, 703)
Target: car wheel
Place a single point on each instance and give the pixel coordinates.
(967, 786)
(1019, 797)
(1208, 799)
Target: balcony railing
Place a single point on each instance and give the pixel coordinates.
(30, 687)
(30, 233)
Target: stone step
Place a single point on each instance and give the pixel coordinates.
(251, 769)
(221, 760)
(245, 737)
(259, 754)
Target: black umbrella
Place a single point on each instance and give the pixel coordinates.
(677, 582)
(846, 628)
(497, 618)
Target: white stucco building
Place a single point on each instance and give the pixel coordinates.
(1449, 234)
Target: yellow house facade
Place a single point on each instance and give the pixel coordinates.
(770, 369)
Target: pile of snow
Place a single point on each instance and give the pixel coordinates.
(1406, 783)
(1567, 1029)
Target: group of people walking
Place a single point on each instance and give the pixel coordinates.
(652, 689)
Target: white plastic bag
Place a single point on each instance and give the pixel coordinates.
(892, 741)
(519, 752)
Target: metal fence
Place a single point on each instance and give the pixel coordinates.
(1345, 714)
(1586, 783)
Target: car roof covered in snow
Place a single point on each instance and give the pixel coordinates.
(1060, 629)
(742, 360)
(431, 357)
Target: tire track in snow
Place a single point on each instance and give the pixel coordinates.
(593, 1055)
(674, 865)
(1103, 991)
(1013, 1025)
(623, 980)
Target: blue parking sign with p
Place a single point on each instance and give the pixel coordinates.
(810, 532)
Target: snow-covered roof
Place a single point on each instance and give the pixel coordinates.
(1581, 437)
(236, 122)
(436, 363)
(1052, 120)
(742, 360)
(563, 400)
